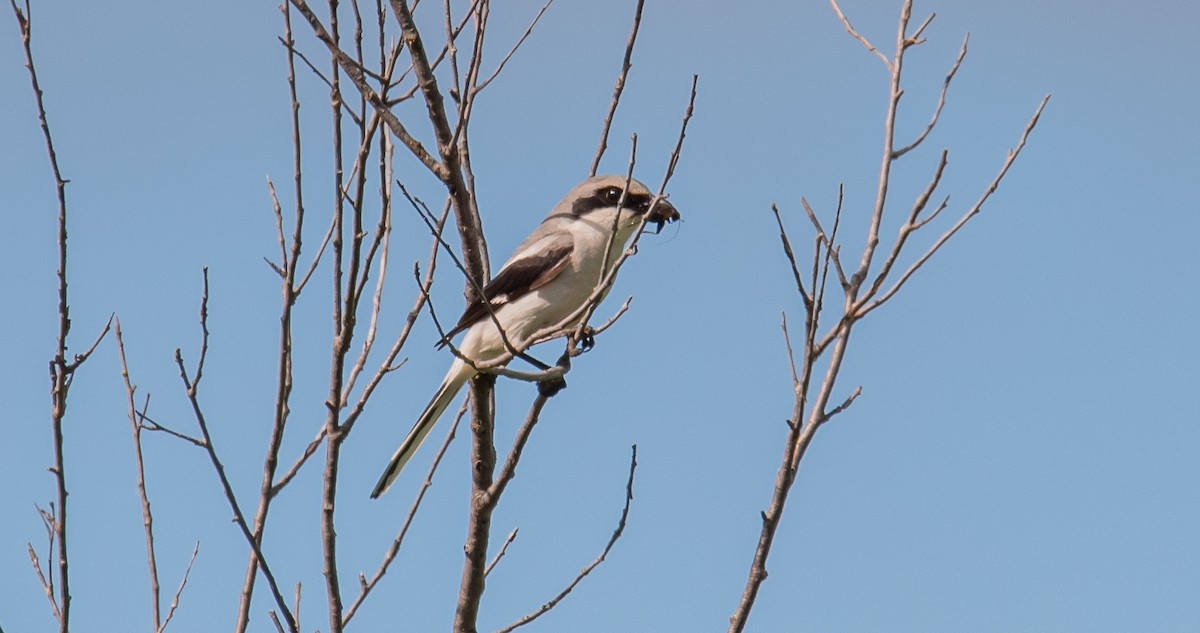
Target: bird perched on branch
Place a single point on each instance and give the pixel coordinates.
(545, 283)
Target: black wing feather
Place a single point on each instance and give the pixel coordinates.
(515, 280)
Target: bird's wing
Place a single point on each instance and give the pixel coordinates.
(532, 267)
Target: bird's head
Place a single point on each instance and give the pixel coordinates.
(608, 191)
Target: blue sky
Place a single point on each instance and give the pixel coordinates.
(1023, 456)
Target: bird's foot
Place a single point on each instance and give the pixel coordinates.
(550, 388)
(587, 340)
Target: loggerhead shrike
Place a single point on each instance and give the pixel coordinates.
(550, 276)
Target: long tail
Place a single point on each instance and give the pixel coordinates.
(451, 384)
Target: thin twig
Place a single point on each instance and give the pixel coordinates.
(191, 387)
(618, 88)
(179, 592)
(787, 340)
(492, 494)
(513, 350)
(791, 257)
(585, 312)
(970, 213)
(937, 112)
(830, 245)
(139, 464)
(500, 554)
(620, 529)
(152, 426)
(62, 371)
(499, 67)
(858, 36)
(474, 247)
(356, 74)
(844, 405)
(908, 228)
(290, 293)
(47, 585)
(365, 586)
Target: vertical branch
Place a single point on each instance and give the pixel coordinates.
(62, 370)
(799, 434)
(343, 328)
(191, 385)
(618, 88)
(896, 66)
(479, 524)
(289, 293)
(147, 516)
(466, 210)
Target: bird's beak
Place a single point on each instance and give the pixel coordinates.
(663, 212)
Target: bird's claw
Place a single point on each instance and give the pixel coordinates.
(587, 340)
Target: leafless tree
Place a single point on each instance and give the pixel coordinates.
(373, 57)
(62, 370)
(865, 287)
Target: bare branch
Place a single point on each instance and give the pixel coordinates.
(509, 470)
(290, 291)
(909, 226)
(818, 411)
(889, 138)
(365, 586)
(62, 371)
(355, 72)
(151, 425)
(787, 340)
(916, 38)
(831, 248)
(613, 319)
(147, 515)
(387, 365)
(484, 84)
(970, 213)
(844, 405)
(500, 554)
(553, 602)
(787, 250)
(450, 173)
(933, 215)
(47, 584)
(937, 112)
(479, 520)
(618, 88)
(677, 151)
(191, 387)
(513, 350)
(81, 358)
(585, 312)
(858, 36)
(179, 592)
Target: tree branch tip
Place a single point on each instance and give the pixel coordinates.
(275, 267)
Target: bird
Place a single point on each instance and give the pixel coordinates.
(546, 280)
